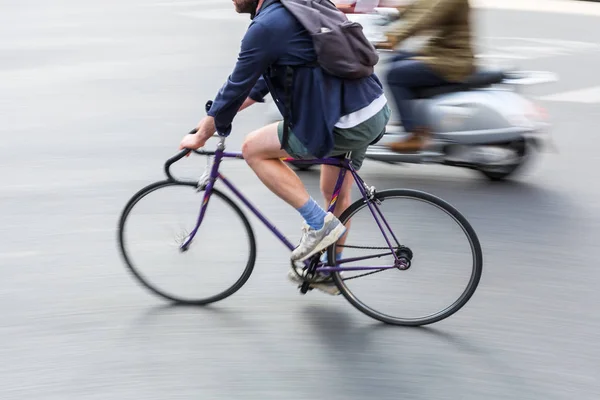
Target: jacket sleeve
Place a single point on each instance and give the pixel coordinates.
(259, 49)
(259, 91)
(422, 15)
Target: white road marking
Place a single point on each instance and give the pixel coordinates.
(503, 56)
(548, 6)
(521, 48)
(589, 95)
(554, 42)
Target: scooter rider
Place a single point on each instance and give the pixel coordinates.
(448, 57)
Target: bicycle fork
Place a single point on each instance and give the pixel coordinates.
(206, 182)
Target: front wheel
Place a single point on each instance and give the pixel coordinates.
(157, 220)
(444, 254)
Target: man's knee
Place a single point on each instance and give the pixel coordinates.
(262, 144)
(249, 147)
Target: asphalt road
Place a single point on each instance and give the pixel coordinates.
(94, 96)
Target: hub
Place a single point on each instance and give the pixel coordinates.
(405, 256)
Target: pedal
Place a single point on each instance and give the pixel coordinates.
(305, 287)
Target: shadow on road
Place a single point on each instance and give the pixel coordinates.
(388, 360)
(361, 359)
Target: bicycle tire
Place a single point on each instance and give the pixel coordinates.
(144, 282)
(457, 216)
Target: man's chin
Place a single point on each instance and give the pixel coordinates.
(243, 8)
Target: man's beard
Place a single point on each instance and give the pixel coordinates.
(246, 6)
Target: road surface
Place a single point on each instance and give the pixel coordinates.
(96, 95)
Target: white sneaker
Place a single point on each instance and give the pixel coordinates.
(313, 241)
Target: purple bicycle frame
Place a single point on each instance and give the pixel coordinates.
(345, 166)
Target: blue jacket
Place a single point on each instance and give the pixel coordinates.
(274, 39)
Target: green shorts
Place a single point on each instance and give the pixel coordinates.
(354, 140)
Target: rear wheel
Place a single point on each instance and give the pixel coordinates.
(444, 253)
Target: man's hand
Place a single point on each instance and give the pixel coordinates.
(205, 130)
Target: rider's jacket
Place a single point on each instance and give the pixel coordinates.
(449, 52)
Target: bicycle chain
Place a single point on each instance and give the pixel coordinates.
(364, 248)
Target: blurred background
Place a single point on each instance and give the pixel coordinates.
(95, 96)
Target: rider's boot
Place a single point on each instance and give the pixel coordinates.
(418, 141)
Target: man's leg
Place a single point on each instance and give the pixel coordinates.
(262, 151)
(401, 55)
(329, 176)
(355, 140)
(403, 76)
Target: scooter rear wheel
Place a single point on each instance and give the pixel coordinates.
(502, 173)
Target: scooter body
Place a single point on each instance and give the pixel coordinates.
(492, 129)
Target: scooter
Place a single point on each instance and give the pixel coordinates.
(483, 123)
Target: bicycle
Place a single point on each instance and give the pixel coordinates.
(403, 257)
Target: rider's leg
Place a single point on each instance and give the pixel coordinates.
(401, 55)
(262, 151)
(329, 177)
(403, 76)
(354, 140)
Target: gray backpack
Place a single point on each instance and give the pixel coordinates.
(341, 46)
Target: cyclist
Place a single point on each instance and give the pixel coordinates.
(447, 58)
(329, 116)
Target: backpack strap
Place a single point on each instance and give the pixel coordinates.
(287, 101)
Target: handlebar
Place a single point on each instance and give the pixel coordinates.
(178, 157)
(183, 153)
